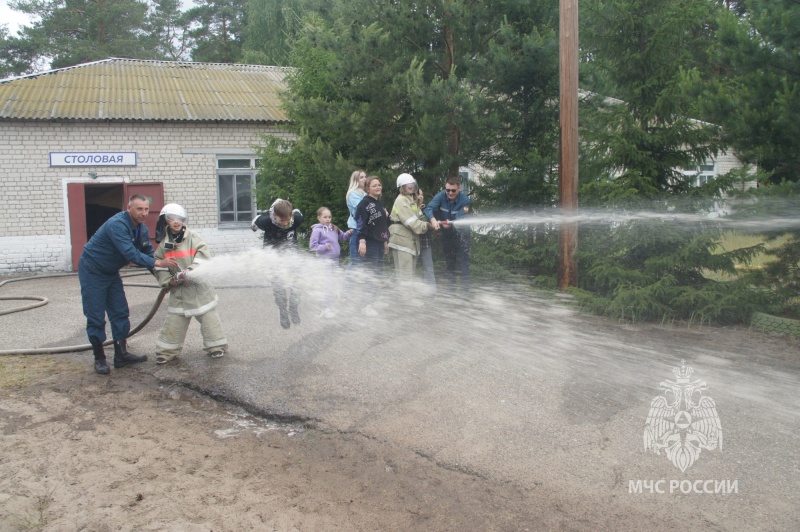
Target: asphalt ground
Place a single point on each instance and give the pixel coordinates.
(506, 384)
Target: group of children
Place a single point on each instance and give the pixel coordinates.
(372, 232)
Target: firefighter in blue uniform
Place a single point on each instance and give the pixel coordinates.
(280, 225)
(123, 239)
(452, 204)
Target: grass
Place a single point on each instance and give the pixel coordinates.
(19, 371)
(733, 240)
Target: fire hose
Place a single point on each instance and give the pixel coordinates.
(40, 301)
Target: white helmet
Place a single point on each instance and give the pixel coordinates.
(405, 179)
(172, 211)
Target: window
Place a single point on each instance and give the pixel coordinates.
(236, 186)
(701, 174)
(464, 178)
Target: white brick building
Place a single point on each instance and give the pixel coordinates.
(177, 132)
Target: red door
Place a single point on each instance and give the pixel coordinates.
(76, 198)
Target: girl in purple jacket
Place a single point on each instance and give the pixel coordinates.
(325, 239)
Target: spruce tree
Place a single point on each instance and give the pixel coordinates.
(424, 88)
(754, 92)
(641, 130)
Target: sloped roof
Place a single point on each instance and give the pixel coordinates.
(132, 89)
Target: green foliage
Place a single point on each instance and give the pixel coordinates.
(647, 55)
(167, 30)
(390, 86)
(653, 270)
(305, 173)
(754, 90)
(79, 31)
(769, 207)
(503, 253)
(645, 134)
(17, 56)
(271, 27)
(216, 30)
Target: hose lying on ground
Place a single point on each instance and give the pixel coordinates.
(43, 301)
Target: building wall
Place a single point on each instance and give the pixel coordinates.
(34, 231)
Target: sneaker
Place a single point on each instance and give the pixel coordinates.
(217, 354)
(369, 311)
(161, 359)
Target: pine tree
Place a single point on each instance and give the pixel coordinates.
(216, 30)
(167, 31)
(17, 56)
(70, 32)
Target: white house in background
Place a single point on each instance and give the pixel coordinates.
(76, 142)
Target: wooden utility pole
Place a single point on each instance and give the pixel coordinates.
(568, 164)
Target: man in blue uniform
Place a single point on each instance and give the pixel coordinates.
(451, 205)
(122, 240)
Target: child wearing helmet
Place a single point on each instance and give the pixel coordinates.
(407, 224)
(187, 298)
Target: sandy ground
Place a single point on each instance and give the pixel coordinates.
(533, 420)
(84, 452)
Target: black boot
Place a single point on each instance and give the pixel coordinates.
(100, 365)
(121, 356)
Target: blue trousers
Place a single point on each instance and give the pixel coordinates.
(103, 294)
(354, 256)
(456, 244)
(375, 257)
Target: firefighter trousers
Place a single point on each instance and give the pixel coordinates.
(170, 340)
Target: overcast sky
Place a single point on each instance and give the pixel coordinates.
(12, 19)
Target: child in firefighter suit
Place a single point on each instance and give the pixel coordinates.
(187, 298)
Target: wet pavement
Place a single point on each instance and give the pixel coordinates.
(510, 384)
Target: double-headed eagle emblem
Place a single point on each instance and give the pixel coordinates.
(683, 421)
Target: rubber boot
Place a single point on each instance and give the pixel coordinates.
(121, 356)
(100, 365)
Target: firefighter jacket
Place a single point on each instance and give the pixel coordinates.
(191, 298)
(407, 224)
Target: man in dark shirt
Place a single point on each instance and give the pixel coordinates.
(280, 226)
(123, 239)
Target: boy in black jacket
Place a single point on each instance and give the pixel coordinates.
(280, 225)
